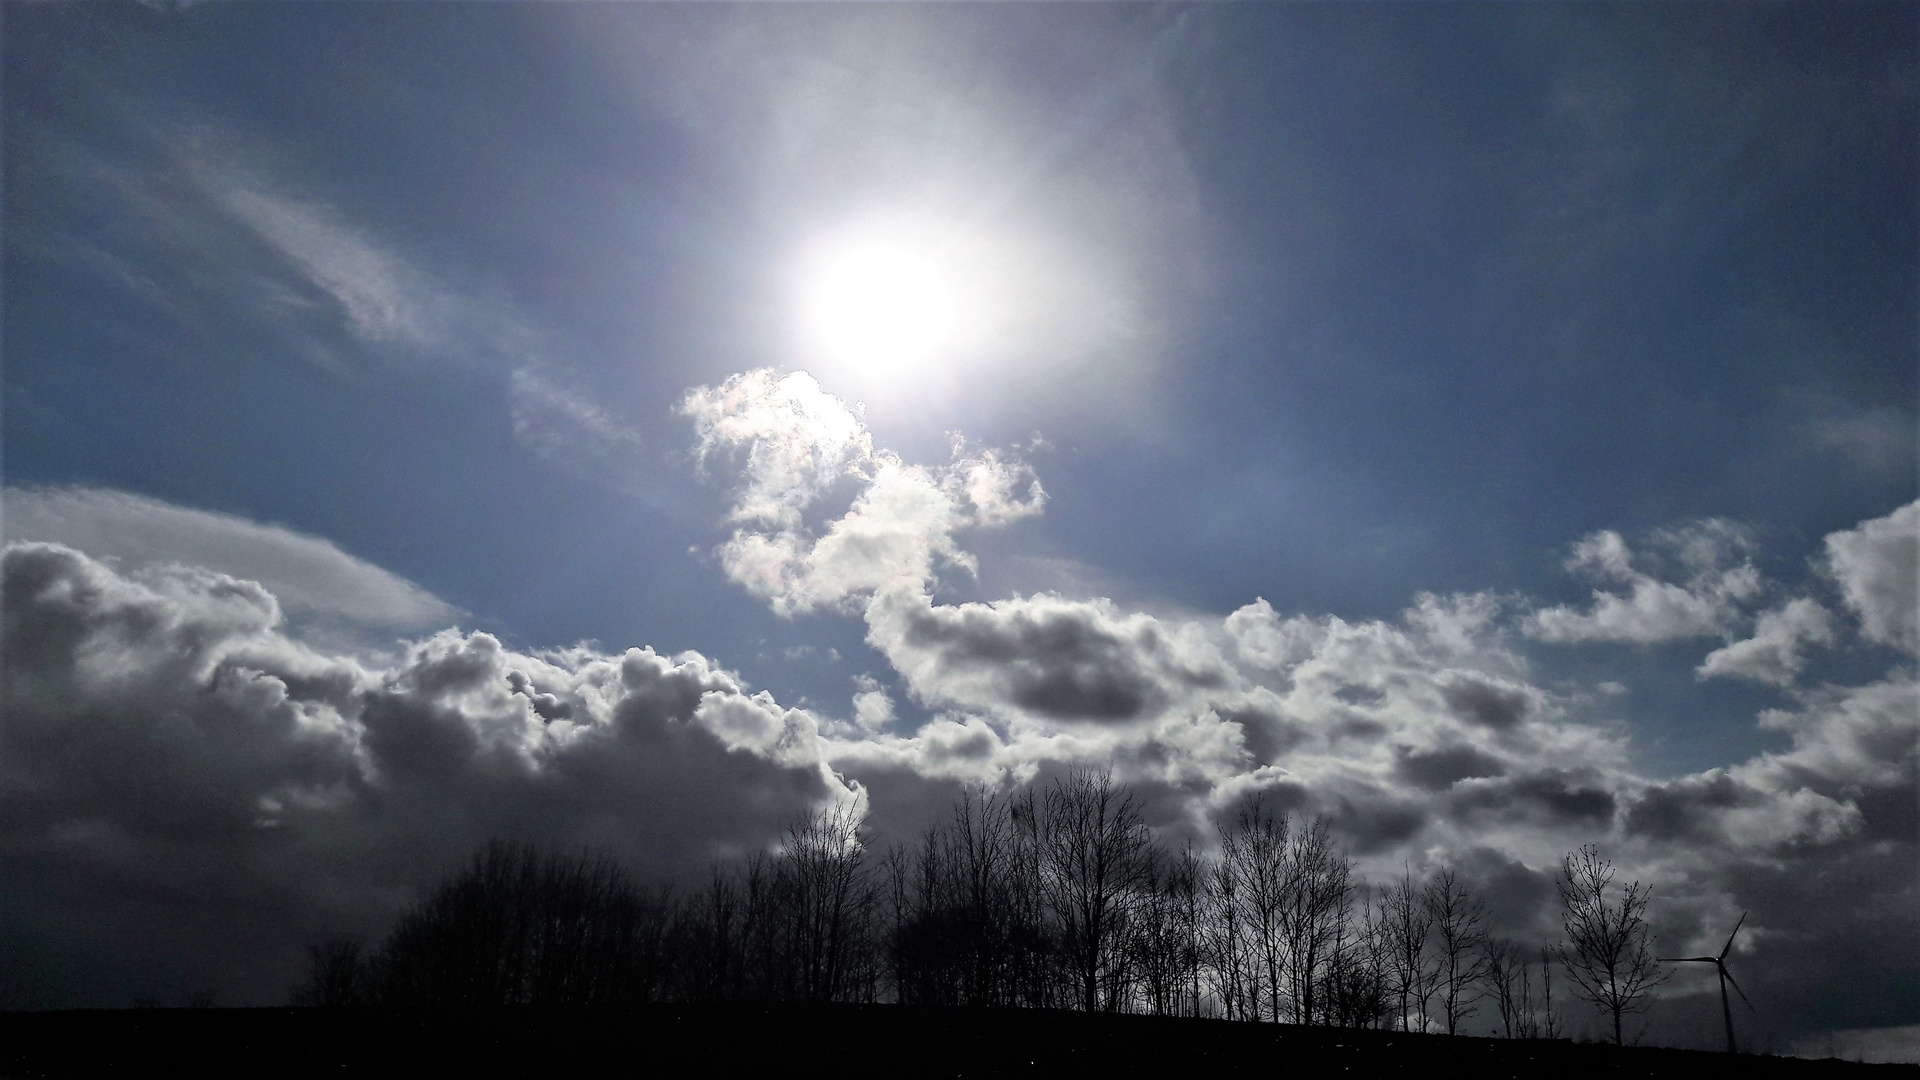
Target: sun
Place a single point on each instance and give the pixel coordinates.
(878, 305)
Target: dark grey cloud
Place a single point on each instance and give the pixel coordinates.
(1486, 703)
(1374, 824)
(174, 746)
(168, 745)
(1686, 808)
(1056, 662)
(1563, 795)
(1268, 734)
(1437, 770)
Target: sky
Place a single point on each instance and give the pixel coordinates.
(1491, 427)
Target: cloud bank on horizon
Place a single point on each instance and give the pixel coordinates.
(172, 732)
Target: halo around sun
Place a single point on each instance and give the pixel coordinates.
(914, 307)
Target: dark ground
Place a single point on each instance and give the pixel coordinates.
(843, 1041)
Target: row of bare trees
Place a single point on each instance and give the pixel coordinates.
(1055, 897)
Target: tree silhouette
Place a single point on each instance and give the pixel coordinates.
(1607, 954)
(1405, 925)
(336, 976)
(1459, 930)
(1055, 895)
(520, 926)
(1095, 855)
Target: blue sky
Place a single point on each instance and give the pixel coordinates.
(1328, 305)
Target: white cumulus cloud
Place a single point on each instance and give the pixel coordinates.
(1641, 608)
(1774, 654)
(1877, 566)
(788, 445)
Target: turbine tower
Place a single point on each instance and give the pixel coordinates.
(1720, 965)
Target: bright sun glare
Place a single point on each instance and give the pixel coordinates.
(878, 306)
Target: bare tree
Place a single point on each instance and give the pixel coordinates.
(1096, 855)
(1405, 925)
(1223, 935)
(519, 926)
(1607, 954)
(1318, 906)
(1504, 971)
(1355, 992)
(707, 942)
(1265, 889)
(337, 975)
(829, 902)
(1549, 1024)
(1188, 886)
(1044, 897)
(1459, 928)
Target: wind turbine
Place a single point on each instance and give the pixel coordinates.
(1720, 964)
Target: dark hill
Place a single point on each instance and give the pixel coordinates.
(843, 1041)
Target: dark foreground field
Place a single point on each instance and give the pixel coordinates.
(844, 1041)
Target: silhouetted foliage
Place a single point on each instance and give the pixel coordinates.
(1607, 955)
(1096, 857)
(1405, 926)
(1525, 1006)
(522, 927)
(1056, 896)
(336, 976)
(1459, 929)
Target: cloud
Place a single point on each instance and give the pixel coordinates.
(577, 435)
(1877, 566)
(1773, 654)
(1040, 656)
(207, 226)
(171, 743)
(175, 744)
(1879, 438)
(1651, 610)
(789, 446)
(1420, 738)
(382, 298)
(787, 441)
(306, 574)
(872, 705)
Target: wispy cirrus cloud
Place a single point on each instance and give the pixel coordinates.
(340, 291)
(308, 574)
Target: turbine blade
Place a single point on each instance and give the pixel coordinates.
(1737, 990)
(1736, 930)
(1686, 959)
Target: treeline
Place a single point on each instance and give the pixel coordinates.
(1052, 898)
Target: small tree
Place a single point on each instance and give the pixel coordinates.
(1459, 929)
(1548, 1026)
(336, 975)
(1607, 954)
(1507, 973)
(1405, 926)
